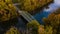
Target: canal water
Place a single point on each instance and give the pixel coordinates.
(46, 12)
(39, 16)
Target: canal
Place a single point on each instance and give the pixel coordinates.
(39, 16)
(46, 12)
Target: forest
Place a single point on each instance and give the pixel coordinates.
(9, 18)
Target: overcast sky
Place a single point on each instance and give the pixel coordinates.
(53, 6)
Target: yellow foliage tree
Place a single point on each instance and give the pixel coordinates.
(48, 30)
(33, 27)
(13, 30)
(28, 5)
(7, 10)
(53, 20)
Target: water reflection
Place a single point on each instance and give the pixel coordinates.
(53, 6)
(46, 12)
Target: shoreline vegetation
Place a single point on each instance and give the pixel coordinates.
(33, 6)
(8, 18)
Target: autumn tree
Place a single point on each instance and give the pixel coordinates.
(8, 14)
(13, 30)
(33, 27)
(28, 5)
(7, 10)
(31, 5)
(53, 20)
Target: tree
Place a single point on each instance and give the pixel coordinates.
(33, 27)
(48, 30)
(53, 20)
(13, 30)
(31, 5)
(28, 5)
(8, 14)
(7, 10)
